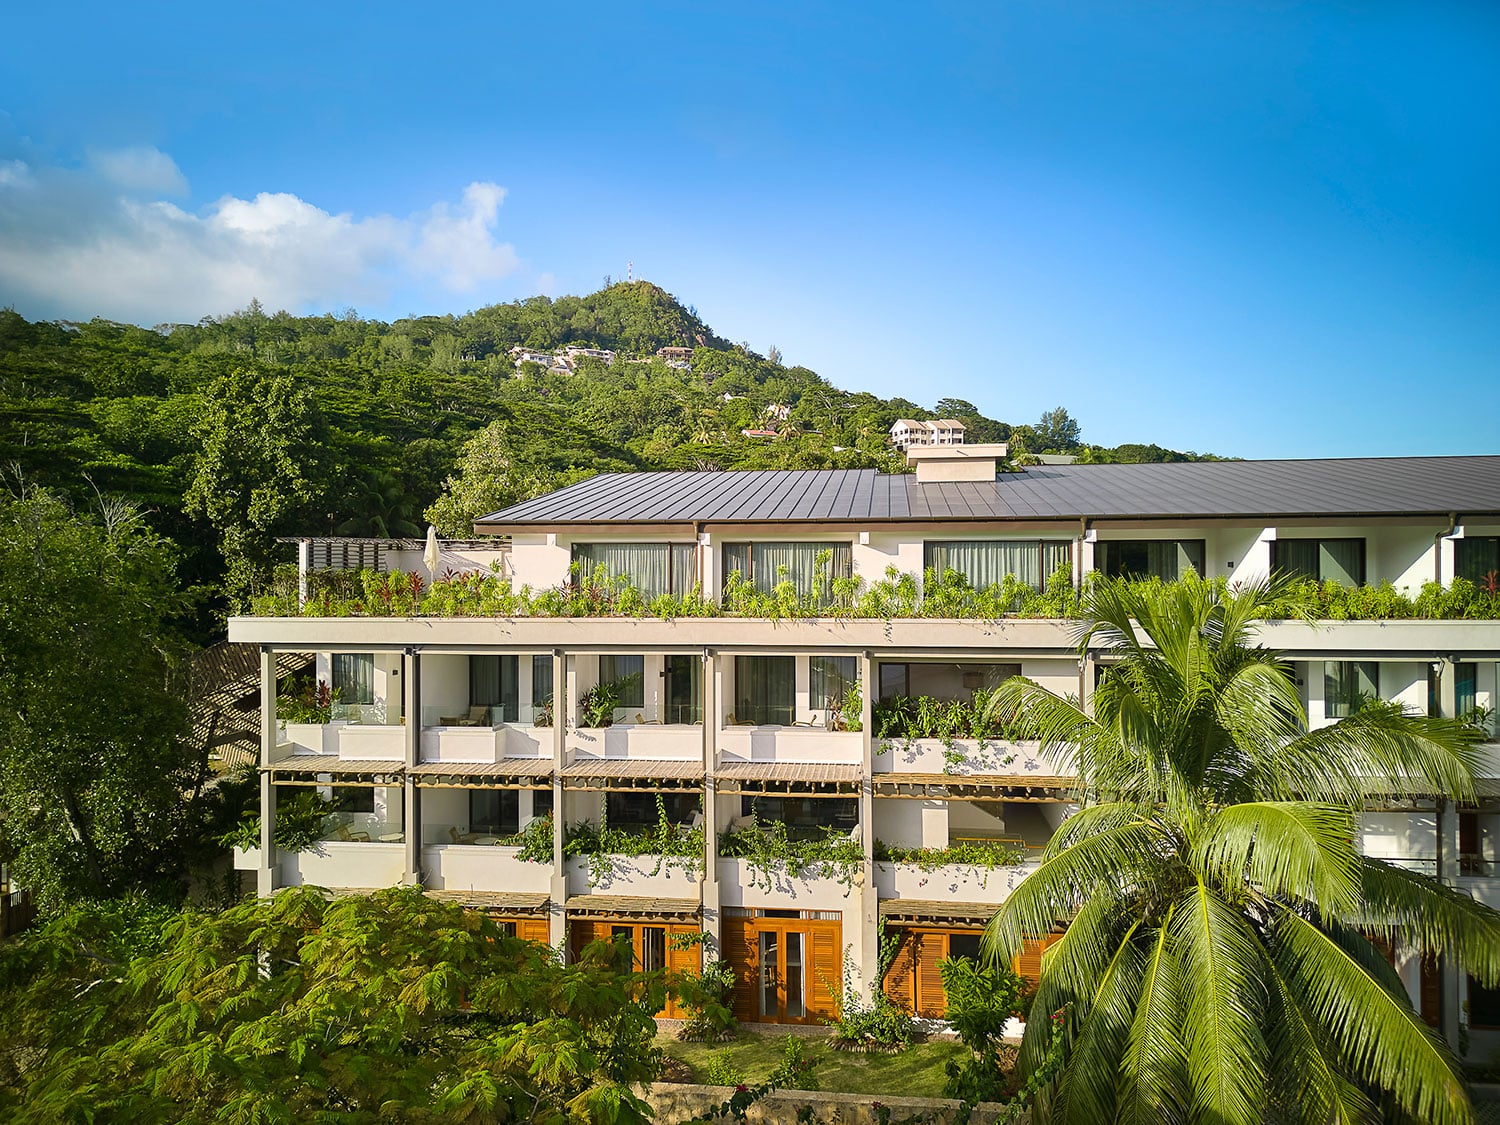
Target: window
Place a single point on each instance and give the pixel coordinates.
(354, 798)
(496, 811)
(652, 568)
(639, 809)
(809, 814)
(541, 802)
(684, 689)
(763, 565)
(541, 681)
(629, 674)
(965, 946)
(1465, 697)
(493, 684)
(895, 681)
(354, 677)
(832, 679)
(765, 690)
(1323, 560)
(1477, 557)
(1484, 1005)
(990, 563)
(1167, 559)
(1347, 684)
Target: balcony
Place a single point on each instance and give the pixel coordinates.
(338, 863)
(649, 876)
(343, 740)
(951, 882)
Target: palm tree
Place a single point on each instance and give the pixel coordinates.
(1220, 960)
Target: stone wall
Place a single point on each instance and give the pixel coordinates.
(675, 1102)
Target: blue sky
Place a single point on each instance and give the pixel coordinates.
(1261, 229)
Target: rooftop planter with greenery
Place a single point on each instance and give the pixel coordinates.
(949, 596)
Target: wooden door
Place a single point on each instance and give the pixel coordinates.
(538, 930)
(787, 970)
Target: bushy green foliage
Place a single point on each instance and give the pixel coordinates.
(706, 996)
(721, 1071)
(299, 700)
(674, 845)
(100, 789)
(988, 854)
(301, 821)
(769, 851)
(388, 1008)
(921, 716)
(981, 1001)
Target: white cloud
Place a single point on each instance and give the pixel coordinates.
(102, 241)
(141, 168)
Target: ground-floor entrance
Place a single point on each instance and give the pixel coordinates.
(656, 945)
(786, 964)
(914, 980)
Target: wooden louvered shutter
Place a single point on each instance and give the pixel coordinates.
(931, 1000)
(825, 986)
(1431, 993)
(901, 980)
(534, 929)
(587, 931)
(1029, 962)
(739, 950)
(685, 960)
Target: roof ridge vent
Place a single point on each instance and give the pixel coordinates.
(938, 463)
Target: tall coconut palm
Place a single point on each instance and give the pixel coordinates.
(1219, 961)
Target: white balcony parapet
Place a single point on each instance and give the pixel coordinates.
(340, 863)
(789, 744)
(652, 876)
(953, 882)
(645, 741)
(477, 867)
(967, 757)
(742, 884)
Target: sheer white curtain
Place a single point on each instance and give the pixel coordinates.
(652, 568)
(766, 564)
(986, 563)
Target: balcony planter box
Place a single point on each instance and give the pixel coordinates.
(740, 884)
(632, 875)
(951, 882)
(960, 756)
(247, 859)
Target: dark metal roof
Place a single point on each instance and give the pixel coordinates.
(1353, 487)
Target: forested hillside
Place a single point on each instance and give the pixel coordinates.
(247, 426)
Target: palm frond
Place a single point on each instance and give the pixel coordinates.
(1302, 1074)
(1063, 882)
(1154, 1086)
(1086, 1092)
(1225, 997)
(1379, 1037)
(1431, 916)
(1284, 848)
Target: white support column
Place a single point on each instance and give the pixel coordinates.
(558, 933)
(265, 875)
(708, 680)
(304, 564)
(411, 813)
(867, 948)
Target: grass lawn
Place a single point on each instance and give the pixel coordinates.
(916, 1072)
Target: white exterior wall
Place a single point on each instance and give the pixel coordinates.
(875, 551)
(539, 561)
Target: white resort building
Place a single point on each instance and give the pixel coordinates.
(454, 740)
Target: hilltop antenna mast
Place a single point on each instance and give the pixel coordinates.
(629, 272)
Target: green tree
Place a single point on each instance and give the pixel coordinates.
(387, 1008)
(1056, 432)
(256, 472)
(96, 777)
(1218, 963)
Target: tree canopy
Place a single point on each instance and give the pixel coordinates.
(1220, 954)
(98, 785)
(389, 1007)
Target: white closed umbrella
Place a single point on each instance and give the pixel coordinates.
(430, 554)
